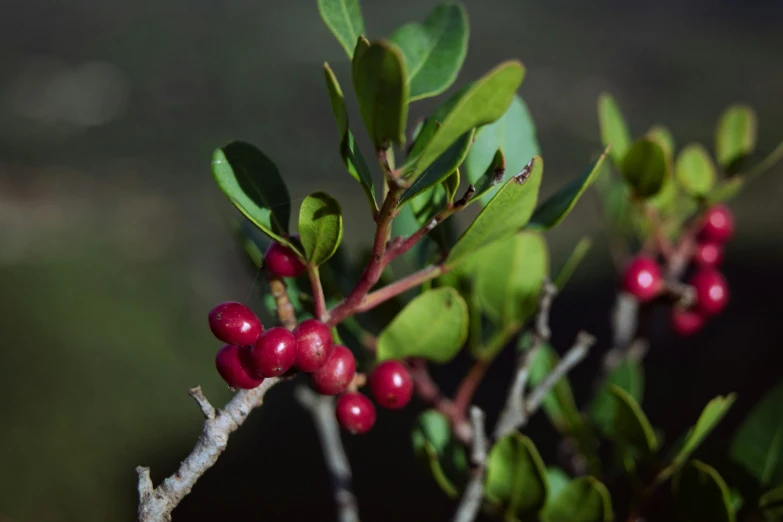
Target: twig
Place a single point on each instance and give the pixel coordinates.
(285, 311)
(156, 505)
(319, 301)
(514, 412)
(624, 326)
(470, 504)
(321, 407)
(400, 286)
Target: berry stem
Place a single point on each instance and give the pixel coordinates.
(319, 301)
(283, 307)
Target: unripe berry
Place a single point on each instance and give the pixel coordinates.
(232, 364)
(712, 291)
(313, 345)
(337, 373)
(391, 384)
(708, 254)
(717, 225)
(642, 278)
(279, 260)
(686, 322)
(355, 412)
(274, 352)
(235, 323)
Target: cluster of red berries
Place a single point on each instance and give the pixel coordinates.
(643, 280)
(252, 354)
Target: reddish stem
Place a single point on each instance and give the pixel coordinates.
(468, 386)
(400, 286)
(319, 301)
(430, 394)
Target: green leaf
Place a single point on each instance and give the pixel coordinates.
(483, 102)
(380, 81)
(451, 185)
(702, 494)
(344, 19)
(253, 184)
(433, 442)
(630, 377)
(644, 167)
(558, 205)
(516, 478)
(758, 444)
(434, 325)
(573, 261)
(630, 425)
(584, 499)
(557, 480)
(507, 213)
(320, 227)
(349, 151)
(559, 404)
(735, 136)
(736, 500)
(510, 277)
(710, 416)
(434, 49)
(771, 504)
(441, 168)
(493, 175)
(515, 134)
(614, 131)
(695, 171)
(663, 137)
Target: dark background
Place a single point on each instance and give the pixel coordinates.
(114, 240)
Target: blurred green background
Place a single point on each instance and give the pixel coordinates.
(114, 241)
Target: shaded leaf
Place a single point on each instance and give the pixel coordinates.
(493, 175)
(630, 425)
(434, 49)
(710, 416)
(344, 19)
(771, 503)
(441, 168)
(695, 171)
(433, 442)
(735, 136)
(663, 137)
(569, 267)
(380, 82)
(702, 494)
(758, 444)
(434, 326)
(644, 167)
(516, 478)
(253, 184)
(320, 227)
(614, 131)
(451, 185)
(584, 499)
(630, 377)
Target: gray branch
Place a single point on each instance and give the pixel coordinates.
(470, 504)
(156, 504)
(321, 407)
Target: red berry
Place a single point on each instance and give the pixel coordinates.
(642, 278)
(282, 262)
(355, 412)
(313, 345)
(708, 254)
(235, 323)
(686, 322)
(717, 225)
(337, 373)
(232, 364)
(274, 352)
(391, 384)
(712, 292)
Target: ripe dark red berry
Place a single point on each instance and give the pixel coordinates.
(337, 373)
(313, 345)
(712, 291)
(281, 261)
(686, 322)
(355, 412)
(274, 352)
(391, 384)
(232, 364)
(717, 225)
(642, 278)
(235, 323)
(708, 254)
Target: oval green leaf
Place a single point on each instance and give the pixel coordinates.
(614, 131)
(515, 135)
(320, 227)
(702, 494)
(558, 205)
(380, 82)
(434, 49)
(433, 326)
(695, 170)
(433, 442)
(630, 425)
(557, 480)
(505, 214)
(451, 185)
(710, 416)
(516, 480)
(584, 499)
(663, 137)
(630, 377)
(644, 167)
(344, 19)
(441, 168)
(253, 184)
(735, 136)
(758, 444)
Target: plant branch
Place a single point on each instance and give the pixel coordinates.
(156, 504)
(285, 311)
(470, 504)
(319, 301)
(321, 408)
(400, 286)
(427, 390)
